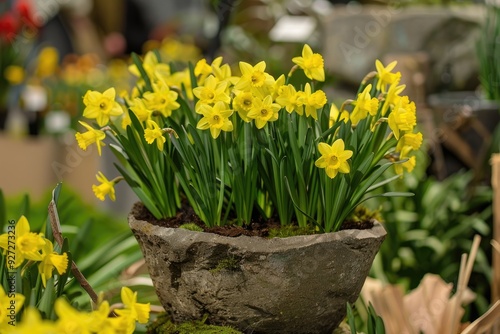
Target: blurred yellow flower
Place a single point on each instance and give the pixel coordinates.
(48, 61)
(162, 99)
(409, 165)
(253, 76)
(10, 304)
(14, 74)
(242, 103)
(138, 311)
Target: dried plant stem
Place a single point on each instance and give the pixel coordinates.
(56, 230)
(495, 284)
(466, 265)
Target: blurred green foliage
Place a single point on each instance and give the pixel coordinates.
(428, 233)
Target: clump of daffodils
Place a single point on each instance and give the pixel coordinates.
(236, 143)
(120, 318)
(33, 275)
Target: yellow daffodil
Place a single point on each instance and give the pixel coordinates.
(33, 323)
(409, 165)
(90, 137)
(413, 140)
(126, 121)
(149, 63)
(392, 95)
(105, 188)
(311, 63)
(102, 323)
(161, 73)
(140, 110)
(27, 245)
(333, 158)
(312, 101)
(14, 74)
(337, 116)
(210, 93)
(364, 105)
(202, 70)
(50, 261)
(153, 133)
(242, 103)
(403, 117)
(70, 320)
(289, 99)
(253, 76)
(48, 60)
(264, 111)
(223, 72)
(138, 311)
(162, 99)
(10, 305)
(215, 118)
(384, 75)
(101, 106)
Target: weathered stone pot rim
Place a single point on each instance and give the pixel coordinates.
(267, 245)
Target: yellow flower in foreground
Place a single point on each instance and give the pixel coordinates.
(333, 158)
(138, 311)
(90, 137)
(105, 188)
(27, 244)
(50, 261)
(101, 106)
(10, 305)
(264, 111)
(364, 105)
(71, 321)
(311, 63)
(215, 118)
(153, 133)
(32, 323)
(385, 76)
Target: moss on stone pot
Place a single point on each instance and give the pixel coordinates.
(299, 284)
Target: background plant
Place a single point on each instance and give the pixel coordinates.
(429, 232)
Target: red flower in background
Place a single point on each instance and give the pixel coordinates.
(19, 16)
(8, 26)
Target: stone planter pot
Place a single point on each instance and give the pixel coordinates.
(283, 285)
